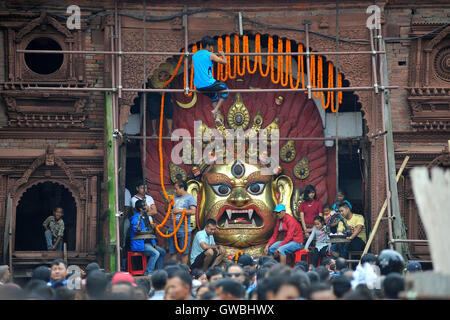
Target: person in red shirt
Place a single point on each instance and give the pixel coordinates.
(309, 208)
(293, 235)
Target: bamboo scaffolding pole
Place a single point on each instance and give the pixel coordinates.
(410, 240)
(382, 211)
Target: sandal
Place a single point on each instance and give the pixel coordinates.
(217, 120)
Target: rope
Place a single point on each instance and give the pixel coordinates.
(161, 170)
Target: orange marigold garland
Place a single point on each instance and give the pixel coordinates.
(246, 50)
(319, 80)
(240, 71)
(269, 60)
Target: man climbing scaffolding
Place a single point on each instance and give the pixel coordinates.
(203, 77)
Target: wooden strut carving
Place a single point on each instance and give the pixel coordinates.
(43, 19)
(41, 118)
(49, 158)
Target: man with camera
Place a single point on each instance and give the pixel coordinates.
(140, 222)
(353, 229)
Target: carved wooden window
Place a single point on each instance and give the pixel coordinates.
(430, 80)
(44, 33)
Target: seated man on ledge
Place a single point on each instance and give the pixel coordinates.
(205, 253)
(293, 235)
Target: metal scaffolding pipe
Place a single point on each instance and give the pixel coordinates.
(308, 67)
(282, 138)
(186, 73)
(385, 151)
(119, 44)
(116, 149)
(196, 91)
(374, 63)
(144, 104)
(171, 53)
(337, 99)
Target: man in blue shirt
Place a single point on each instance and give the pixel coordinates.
(203, 77)
(148, 246)
(183, 200)
(205, 253)
(58, 274)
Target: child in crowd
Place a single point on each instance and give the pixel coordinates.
(340, 197)
(327, 212)
(322, 240)
(328, 216)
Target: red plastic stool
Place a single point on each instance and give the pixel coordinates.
(132, 255)
(298, 256)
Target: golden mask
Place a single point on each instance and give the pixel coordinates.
(241, 200)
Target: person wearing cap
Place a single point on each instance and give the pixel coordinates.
(123, 277)
(293, 235)
(246, 260)
(413, 266)
(122, 286)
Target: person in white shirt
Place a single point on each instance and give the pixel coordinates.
(141, 195)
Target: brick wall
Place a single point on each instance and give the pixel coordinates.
(3, 118)
(397, 54)
(94, 71)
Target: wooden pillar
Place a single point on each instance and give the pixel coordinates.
(93, 214)
(3, 226)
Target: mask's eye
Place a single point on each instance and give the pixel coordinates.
(221, 189)
(256, 188)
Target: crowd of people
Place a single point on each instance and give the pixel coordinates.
(248, 279)
(201, 271)
(316, 224)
